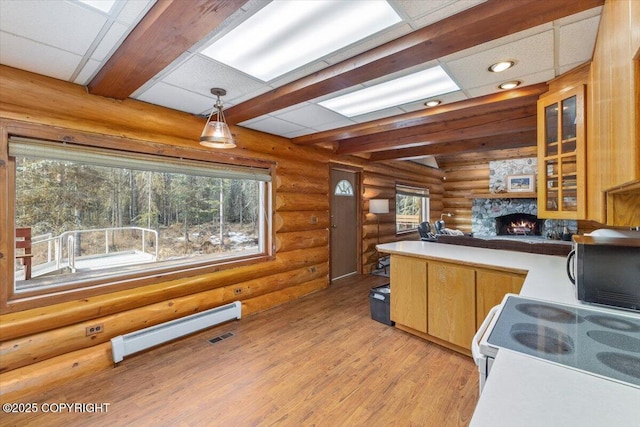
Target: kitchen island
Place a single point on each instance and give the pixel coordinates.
(521, 390)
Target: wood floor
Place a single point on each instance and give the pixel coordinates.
(317, 361)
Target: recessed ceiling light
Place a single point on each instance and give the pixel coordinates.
(288, 34)
(424, 84)
(499, 67)
(433, 103)
(103, 5)
(510, 85)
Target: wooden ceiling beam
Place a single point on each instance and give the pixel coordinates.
(480, 24)
(495, 142)
(465, 128)
(169, 29)
(485, 104)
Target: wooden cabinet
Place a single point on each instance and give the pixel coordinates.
(451, 303)
(409, 292)
(561, 154)
(446, 302)
(491, 287)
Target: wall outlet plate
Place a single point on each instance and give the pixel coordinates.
(94, 329)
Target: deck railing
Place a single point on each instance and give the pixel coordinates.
(61, 251)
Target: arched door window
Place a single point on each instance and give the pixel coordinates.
(344, 188)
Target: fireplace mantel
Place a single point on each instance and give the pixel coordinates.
(514, 195)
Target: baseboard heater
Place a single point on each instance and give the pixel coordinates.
(126, 345)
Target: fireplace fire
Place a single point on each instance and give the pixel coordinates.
(519, 224)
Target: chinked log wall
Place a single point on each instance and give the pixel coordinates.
(43, 347)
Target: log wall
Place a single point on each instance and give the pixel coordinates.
(44, 346)
(466, 175)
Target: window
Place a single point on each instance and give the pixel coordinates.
(343, 188)
(412, 207)
(87, 216)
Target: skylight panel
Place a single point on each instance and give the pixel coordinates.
(102, 5)
(287, 34)
(424, 84)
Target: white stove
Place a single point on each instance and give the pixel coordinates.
(605, 343)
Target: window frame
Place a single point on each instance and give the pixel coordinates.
(425, 208)
(11, 301)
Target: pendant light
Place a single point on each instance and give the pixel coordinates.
(216, 133)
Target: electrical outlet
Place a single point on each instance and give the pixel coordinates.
(237, 291)
(312, 269)
(314, 220)
(95, 329)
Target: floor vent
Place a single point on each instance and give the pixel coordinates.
(221, 337)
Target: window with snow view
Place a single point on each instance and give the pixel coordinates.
(86, 216)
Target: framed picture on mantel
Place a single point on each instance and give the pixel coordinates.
(521, 183)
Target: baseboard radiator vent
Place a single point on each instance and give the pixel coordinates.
(134, 342)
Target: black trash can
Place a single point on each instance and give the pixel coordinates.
(380, 299)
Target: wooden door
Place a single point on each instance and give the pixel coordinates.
(344, 223)
(451, 303)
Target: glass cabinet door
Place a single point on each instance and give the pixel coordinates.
(561, 155)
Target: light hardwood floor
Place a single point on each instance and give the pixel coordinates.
(317, 361)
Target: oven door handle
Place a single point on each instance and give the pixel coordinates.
(475, 346)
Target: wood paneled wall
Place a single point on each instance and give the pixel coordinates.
(613, 106)
(41, 347)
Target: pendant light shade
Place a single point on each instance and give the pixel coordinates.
(216, 133)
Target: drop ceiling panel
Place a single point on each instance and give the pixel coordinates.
(334, 125)
(577, 41)
(63, 25)
(179, 99)
(88, 71)
(416, 9)
(199, 74)
(133, 10)
(309, 115)
(532, 55)
(443, 12)
(111, 40)
(41, 59)
(497, 43)
(273, 125)
(528, 80)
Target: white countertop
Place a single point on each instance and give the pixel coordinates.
(522, 390)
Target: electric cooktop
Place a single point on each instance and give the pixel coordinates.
(598, 342)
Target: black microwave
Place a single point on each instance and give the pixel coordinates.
(606, 271)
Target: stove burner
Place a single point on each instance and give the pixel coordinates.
(547, 312)
(629, 365)
(612, 323)
(542, 338)
(616, 340)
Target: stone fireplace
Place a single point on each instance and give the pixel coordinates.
(487, 213)
(518, 224)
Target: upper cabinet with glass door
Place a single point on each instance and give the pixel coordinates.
(561, 154)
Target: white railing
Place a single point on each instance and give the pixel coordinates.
(68, 239)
